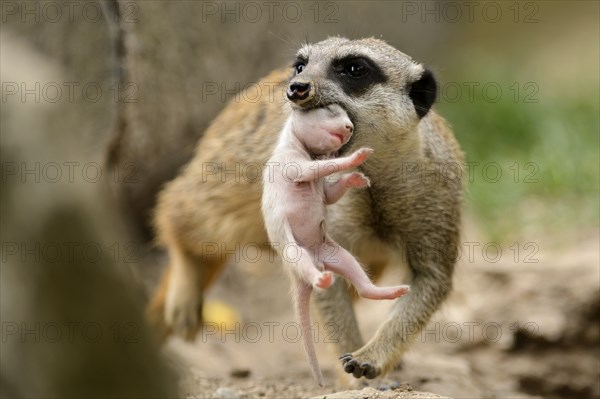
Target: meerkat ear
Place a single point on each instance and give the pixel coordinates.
(423, 92)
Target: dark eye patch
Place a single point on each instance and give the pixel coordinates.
(299, 65)
(356, 74)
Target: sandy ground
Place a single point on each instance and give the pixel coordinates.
(509, 330)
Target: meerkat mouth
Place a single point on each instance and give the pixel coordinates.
(325, 105)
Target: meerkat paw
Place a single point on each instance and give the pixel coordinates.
(323, 281)
(360, 366)
(183, 308)
(358, 180)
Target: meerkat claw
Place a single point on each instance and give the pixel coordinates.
(358, 369)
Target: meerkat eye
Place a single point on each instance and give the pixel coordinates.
(356, 68)
(356, 73)
(299, 66)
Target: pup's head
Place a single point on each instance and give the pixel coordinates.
(381, 88)
(322, 130)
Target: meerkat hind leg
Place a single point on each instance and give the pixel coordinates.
(189, 276)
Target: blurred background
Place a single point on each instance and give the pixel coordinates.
(103, 102)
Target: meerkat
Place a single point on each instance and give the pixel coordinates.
(294, 209)
(412, 208)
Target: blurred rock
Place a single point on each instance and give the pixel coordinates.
(548, 314)
(70, 309)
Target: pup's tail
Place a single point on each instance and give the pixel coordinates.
(301, 307)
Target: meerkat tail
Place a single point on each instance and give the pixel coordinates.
(301, 305)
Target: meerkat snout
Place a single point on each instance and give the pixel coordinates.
(298, 91)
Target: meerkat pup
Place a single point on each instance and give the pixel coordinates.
(294, 201)
(409, 216)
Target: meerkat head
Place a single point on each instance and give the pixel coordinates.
(381, 88)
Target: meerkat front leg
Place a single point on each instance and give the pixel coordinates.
(432, 282)
(336, 190)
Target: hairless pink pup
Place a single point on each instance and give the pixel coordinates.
(295, 195)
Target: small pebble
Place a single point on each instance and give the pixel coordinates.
(240, 373)
(226, 393)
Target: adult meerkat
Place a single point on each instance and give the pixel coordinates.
(295, 213)
(411, 209)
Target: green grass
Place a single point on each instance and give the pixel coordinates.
(548, 153)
